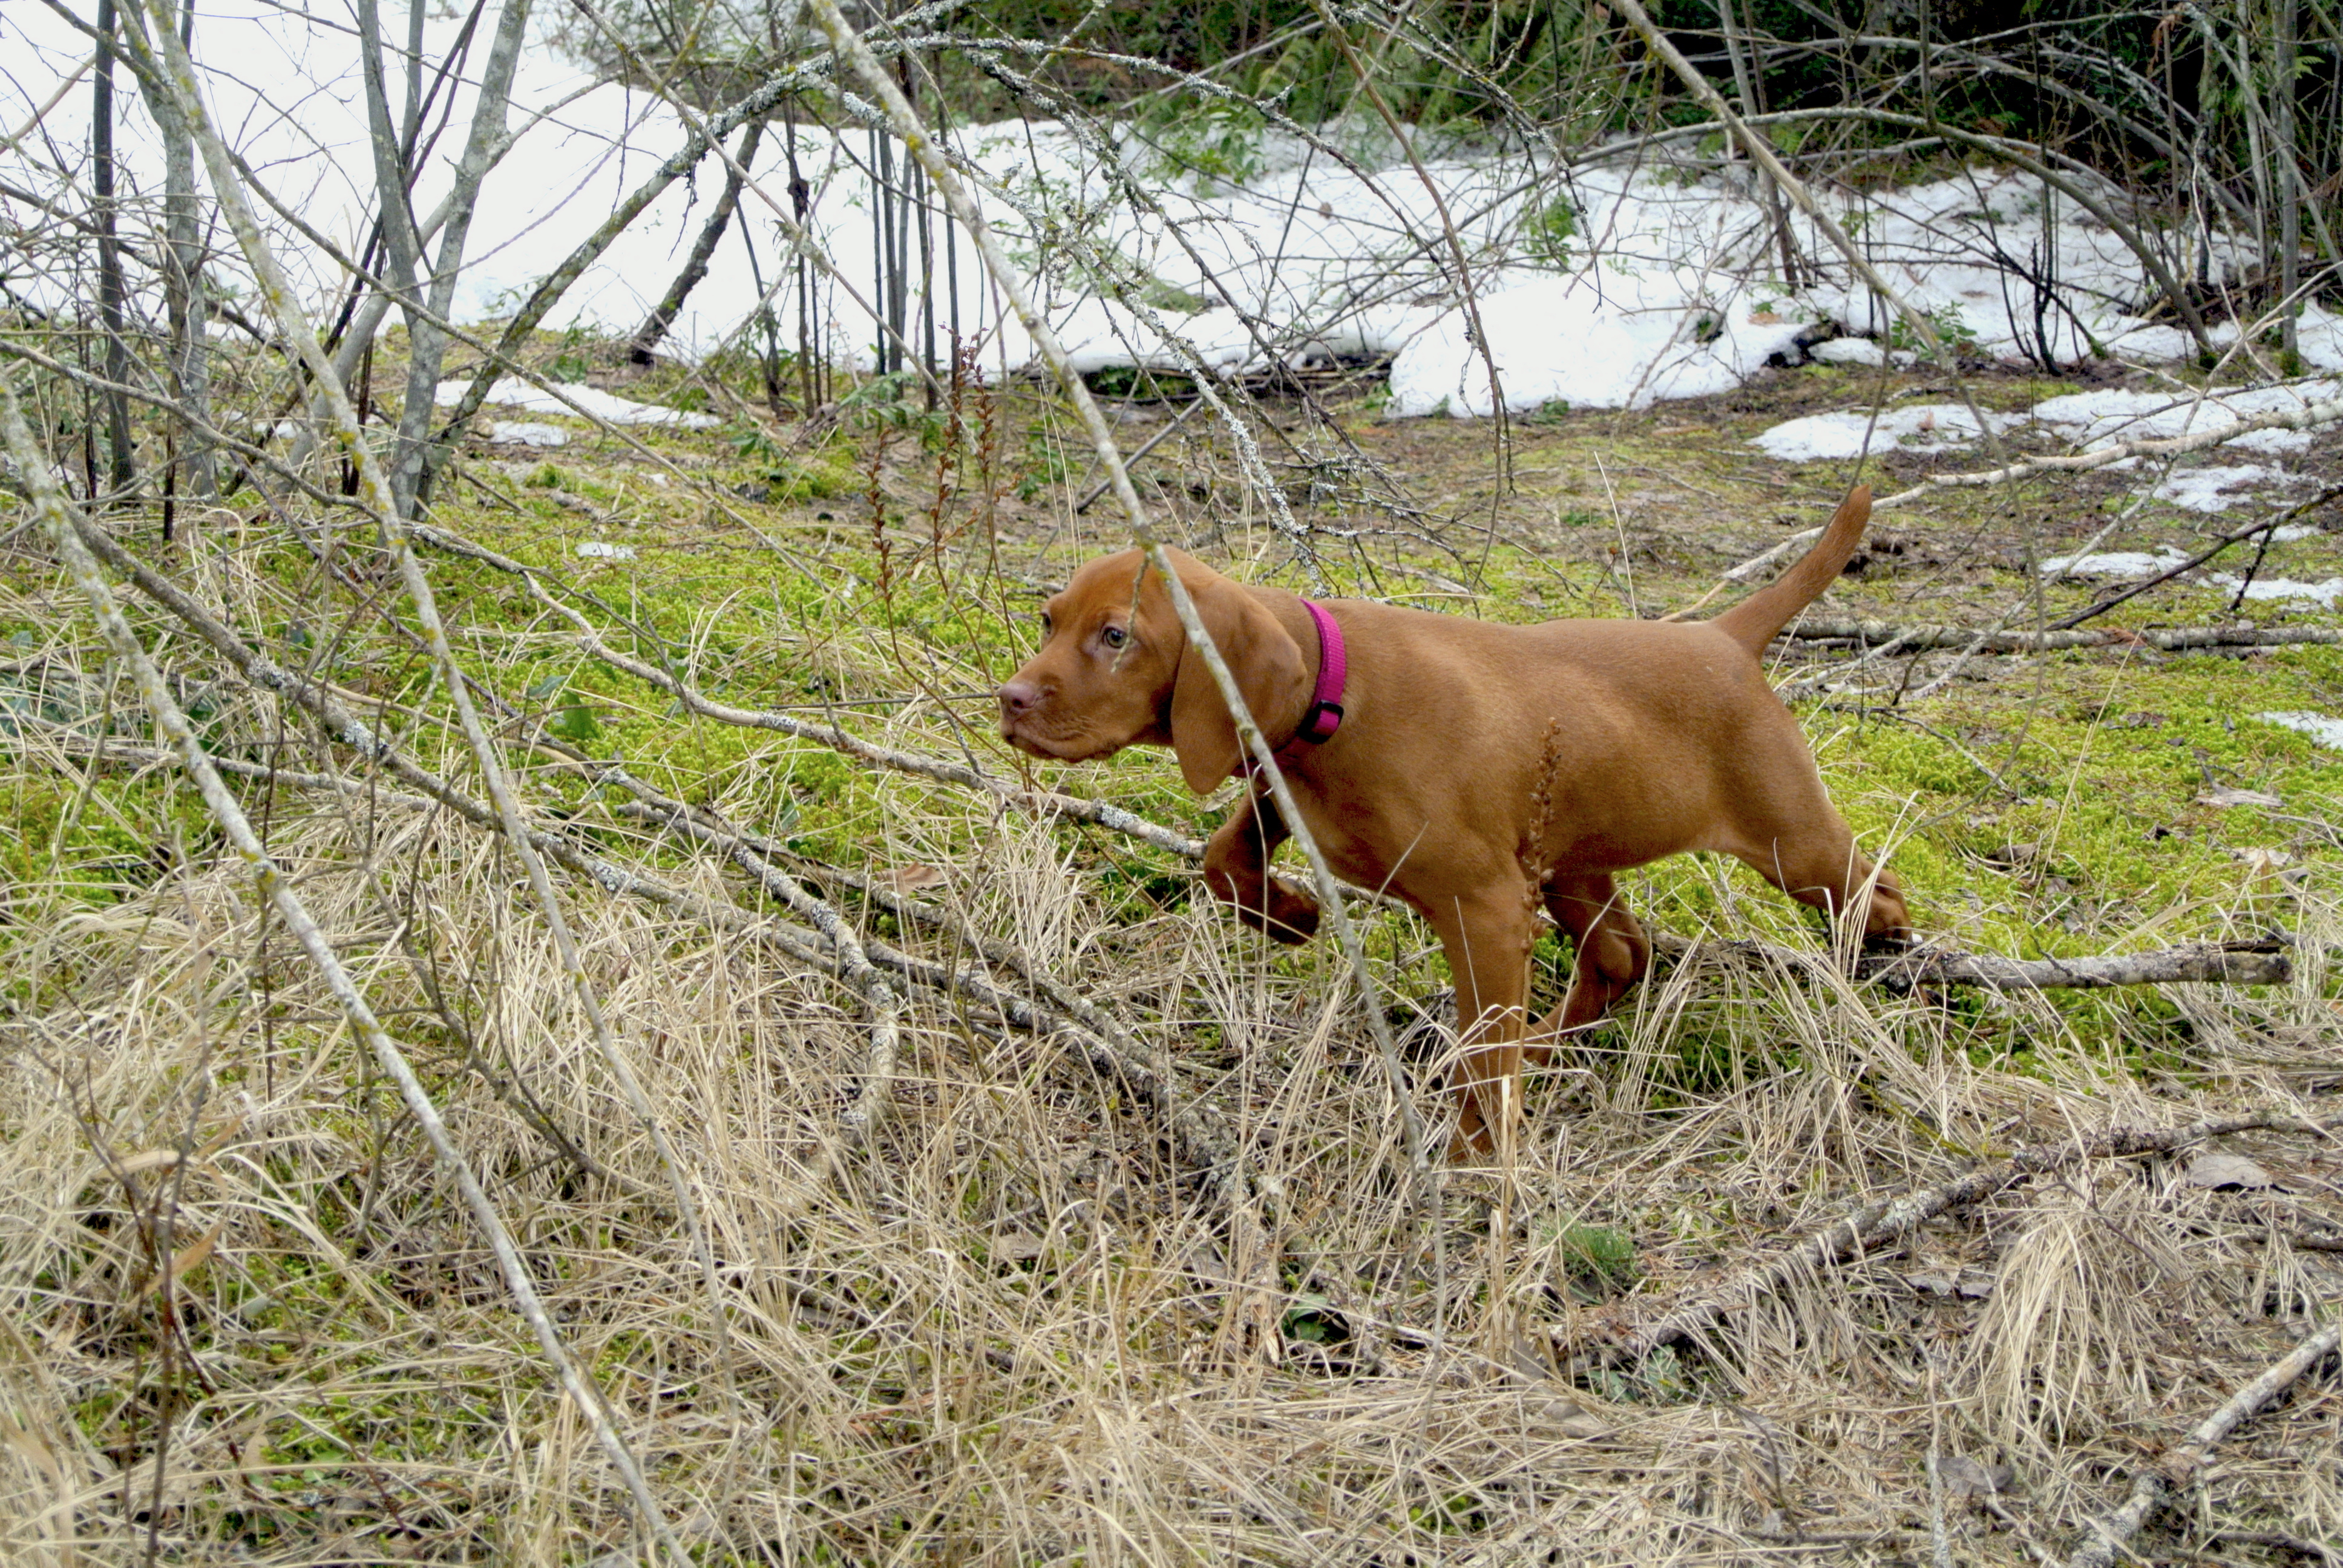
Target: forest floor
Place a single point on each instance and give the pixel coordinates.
(1022, 1321)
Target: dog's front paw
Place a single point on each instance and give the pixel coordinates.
(1292, 918)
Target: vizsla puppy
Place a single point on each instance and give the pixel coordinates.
(1477, 771)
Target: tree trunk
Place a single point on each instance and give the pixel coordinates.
(419, 460)
(695, 265)
(2290, 184)
(120, 470)
(183, 280)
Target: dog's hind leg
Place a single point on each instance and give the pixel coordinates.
(1613, 954)
(1236, 868)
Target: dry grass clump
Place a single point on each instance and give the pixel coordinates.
(1001, 1333)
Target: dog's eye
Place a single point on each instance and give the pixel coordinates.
(1114, 637)
(1047, 626)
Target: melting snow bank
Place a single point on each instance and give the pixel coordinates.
(2208, 489)
(1614, 280)
(2165, 557)
(2088, 420)
(592, 402)
(1673, 302)
(2103, 417)
(524, 432)
(1923, 427)
(1592, 342)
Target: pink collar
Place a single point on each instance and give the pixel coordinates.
(1325, 711)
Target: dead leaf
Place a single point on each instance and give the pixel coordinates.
(911, 879)
(1017, 1247)
(2226, 796)
(1965, 1478)
(188, 1258)
(191, 1257)
(2218, 1170)
(2261, 862)
(1969, 1284)
(1574, 1419)
(146, 1160)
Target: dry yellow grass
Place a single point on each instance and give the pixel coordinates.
(1019, 1325)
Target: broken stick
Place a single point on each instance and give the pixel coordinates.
(1875, 1224)
(2155, 1482)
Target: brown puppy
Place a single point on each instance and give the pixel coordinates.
(1478, 770)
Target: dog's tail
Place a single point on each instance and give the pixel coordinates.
(1753, 622)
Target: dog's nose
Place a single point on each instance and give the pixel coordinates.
(1019, 696)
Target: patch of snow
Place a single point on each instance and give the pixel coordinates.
(2319, 334)
(1915, 427)
(2322, 593)
(2208, 489)
(596, 551)
(2322, 728)
(2115, 563)
(1849, 351)
(2164, 558)
(595, 403)
(526, 433)
(2101, 418)
(2150, 342)
(1589, 343)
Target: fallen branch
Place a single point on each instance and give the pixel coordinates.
(870, 1099)
(2268, 528)
(1875, 1224)
(389, 502)
(1200, 1140)
(2217, 963)
(1048, 802)
(2213, 963)
(2167, 639)
(2155, 1483)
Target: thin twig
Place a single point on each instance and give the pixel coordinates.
(2167, 639)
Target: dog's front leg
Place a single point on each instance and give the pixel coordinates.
(1488, 938)
(1236, 868)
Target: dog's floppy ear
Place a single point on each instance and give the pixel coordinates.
(1261, 654)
